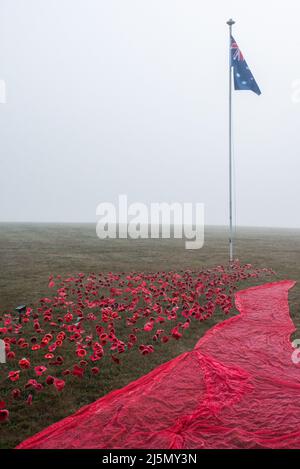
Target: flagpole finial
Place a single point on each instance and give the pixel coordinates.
(230, 22)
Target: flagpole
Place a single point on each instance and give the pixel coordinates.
(230, 24)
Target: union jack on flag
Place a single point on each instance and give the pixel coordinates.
(243, 78)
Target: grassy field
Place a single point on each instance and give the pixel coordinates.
(30, 252)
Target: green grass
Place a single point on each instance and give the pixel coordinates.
(30, 252)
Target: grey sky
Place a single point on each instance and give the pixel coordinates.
(108, 97)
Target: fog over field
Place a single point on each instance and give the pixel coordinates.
(130, 97)
(30, 252)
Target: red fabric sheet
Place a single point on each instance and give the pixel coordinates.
(238, 388)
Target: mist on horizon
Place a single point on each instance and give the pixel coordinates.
(108, 98)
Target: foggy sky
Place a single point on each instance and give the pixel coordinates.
(109, 97)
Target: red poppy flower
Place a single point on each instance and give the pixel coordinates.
(2, 405)
(95, 357)
(24, 363)
(51, 284)
(14, 375)
(175, 333)
(35, 347)
(95, 370)
(16, 393)
(148, 326)
(121, 348)
(160, 319)
(10, 355)
(4, 415)
(48, 356)
(133, 338)
(39, 370)
(50, 379)
(77, 371)
(59, 384)
(66, 372)
(186, 325)
(81, 352)
(68, 317)
(29, 399)
(31, 382)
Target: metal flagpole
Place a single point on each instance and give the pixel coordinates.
(230, 24)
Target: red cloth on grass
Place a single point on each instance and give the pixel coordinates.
(238, 388)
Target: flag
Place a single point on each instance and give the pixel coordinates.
(243, 78)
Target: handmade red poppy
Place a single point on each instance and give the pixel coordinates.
(68, 317)
(148, 326)
(77, 371)
(59, 384)
(35, 347)
(133, 338)
(39, 370)
(95, 357)
(16, 393)
(51, 284)
(24, 363)
(175, 333)
(31, 382)
(14, 375)
(4, 415)
(50, 379)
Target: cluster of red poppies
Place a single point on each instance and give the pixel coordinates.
(95, 317)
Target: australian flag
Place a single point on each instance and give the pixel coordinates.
(243, 78)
